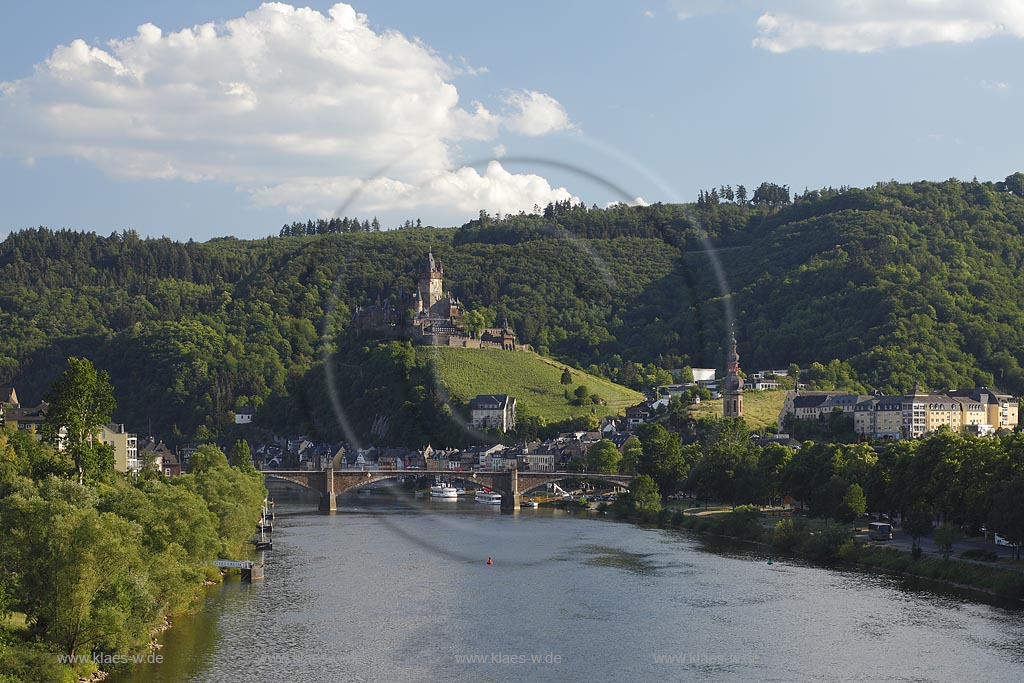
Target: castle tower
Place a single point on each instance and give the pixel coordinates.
(732, 385)
(431, 285)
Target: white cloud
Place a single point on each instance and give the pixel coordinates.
(636, 201)
(464, 189)
(290, 105)
(499, 151)
(867, 25)
(649, 14)
(536, 114)
(997, 85)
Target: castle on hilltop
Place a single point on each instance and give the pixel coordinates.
(433, 316)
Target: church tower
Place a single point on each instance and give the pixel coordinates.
(732, 385)
(431, 286)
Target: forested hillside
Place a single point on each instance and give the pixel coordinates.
(901, 282)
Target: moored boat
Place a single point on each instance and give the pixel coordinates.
(488, 497)
(443, 491)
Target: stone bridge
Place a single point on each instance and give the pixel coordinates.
(510, 484)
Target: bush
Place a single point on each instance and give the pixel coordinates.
(785, 535)
(825, 544)
(980, 554)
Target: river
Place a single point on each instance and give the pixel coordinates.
(398, 590)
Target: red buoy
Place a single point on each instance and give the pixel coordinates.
(490, 561)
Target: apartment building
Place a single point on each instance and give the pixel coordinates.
(125, 445)
(979, 411)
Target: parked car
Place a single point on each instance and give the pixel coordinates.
(1003, 542)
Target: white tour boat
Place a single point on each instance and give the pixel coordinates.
(488, 497)
(443, 491)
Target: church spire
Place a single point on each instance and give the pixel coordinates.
(732, 384)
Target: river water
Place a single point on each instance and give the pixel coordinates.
(398, 590)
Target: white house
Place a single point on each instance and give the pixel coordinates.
(493, 411)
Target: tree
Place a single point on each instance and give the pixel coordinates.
(854, 504)
(662, 458)
(793, 371)
(603, 457)
(945, 536)
(207, 457)
(81, 401)
(644, 498)
(474, 322)
(1007, 515)
(566, 377)
(241, 456)
(918, 523)
(581, 392)
(632, 452)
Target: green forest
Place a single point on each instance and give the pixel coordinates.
(874, 288)
(93, 561)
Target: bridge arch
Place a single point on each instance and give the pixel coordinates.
(532, 483)
(303, 483)
(345, 481)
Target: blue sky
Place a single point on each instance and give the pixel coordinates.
(399, 109)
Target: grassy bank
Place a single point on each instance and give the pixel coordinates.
(1002, 582)
(833, 543)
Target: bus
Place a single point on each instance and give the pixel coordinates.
(880, 531)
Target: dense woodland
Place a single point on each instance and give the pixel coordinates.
(898, 283)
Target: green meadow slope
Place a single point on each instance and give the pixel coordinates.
(534, 381)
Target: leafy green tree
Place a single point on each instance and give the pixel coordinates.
(232, 496)
(644, 498)
(1007, 515)
(206, 458)
(81, 401)
(632, 453)
(853, 505)
(566, 377)
(918, 523)
(662, 458)
(241, 456)
(581, 392)
(603, 457)
(771, 463)
(945, 536)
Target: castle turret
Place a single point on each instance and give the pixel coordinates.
(431, 285)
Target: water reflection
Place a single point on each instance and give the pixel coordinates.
(389, 590)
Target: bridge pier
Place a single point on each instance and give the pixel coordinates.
(510, 496)
(328, 499)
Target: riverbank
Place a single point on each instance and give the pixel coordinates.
(103, 565)
(835, 544)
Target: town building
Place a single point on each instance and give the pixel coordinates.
(9, 398)
(910, 416)
(30, 419)
(125, 445)
(163, 458)
(244, 415)
(493, 411)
